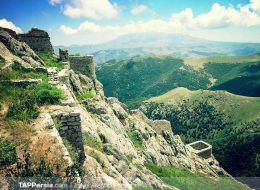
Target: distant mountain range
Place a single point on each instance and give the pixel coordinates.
(162, 44)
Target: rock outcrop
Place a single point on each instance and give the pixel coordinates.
(14, 51)
(37, 39)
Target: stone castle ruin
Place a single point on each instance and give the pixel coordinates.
(201, 148)
(37, 39)
(83, 64)
(64, 55)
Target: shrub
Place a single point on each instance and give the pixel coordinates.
(18, 72)
(23, 108)
(95, 155)
(50, 60)
(138, 143)
(2, 62)
(25, 102)
(46, 94)
(93, 142)
(7, 152)
(87, 94)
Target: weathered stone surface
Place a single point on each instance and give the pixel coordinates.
(84, 65)
(75, 82)
(10, 59)
(161, 125)
(64, 55)
(53, 75)
(37, 39)
(13, 50)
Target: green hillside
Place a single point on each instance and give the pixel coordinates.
(229, 122)
(141, 77)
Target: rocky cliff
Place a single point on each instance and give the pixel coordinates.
(111, 144)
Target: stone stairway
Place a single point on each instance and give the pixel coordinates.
(53, 76)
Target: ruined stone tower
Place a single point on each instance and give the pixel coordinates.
(64, 55)
(37, 39)
(84, 65)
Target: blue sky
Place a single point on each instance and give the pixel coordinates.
(95, 21)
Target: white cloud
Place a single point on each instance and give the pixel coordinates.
(217, 18)
(67, 30)
(54, 2)
(138, 9)
(255, 5)
(96, 9)
(8, 24)
(220, 16)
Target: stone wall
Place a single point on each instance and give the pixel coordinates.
(71, 130)
(37, 39)
(84, 65)
(201, 148)
(63, 55)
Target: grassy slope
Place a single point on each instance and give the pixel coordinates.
(185, 180)
(200, 62)
(50, 60)
(20, 105)
(236, 74)
(240, 108)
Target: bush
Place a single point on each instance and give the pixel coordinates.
(7, 152)
(18, 72)
(46, 94)
(87, 94)
(93, 142)
(23, 108)
(138, 143)
(2, 62)
(50, 60)
(96, 156)
(25, 102)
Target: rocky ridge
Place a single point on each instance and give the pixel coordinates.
(119, 163)
(13, 51)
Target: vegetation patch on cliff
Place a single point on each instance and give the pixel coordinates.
(17, 73)
(7, 152)
(50, 60)
(185, 180)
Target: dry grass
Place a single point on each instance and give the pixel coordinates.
(48, 148)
